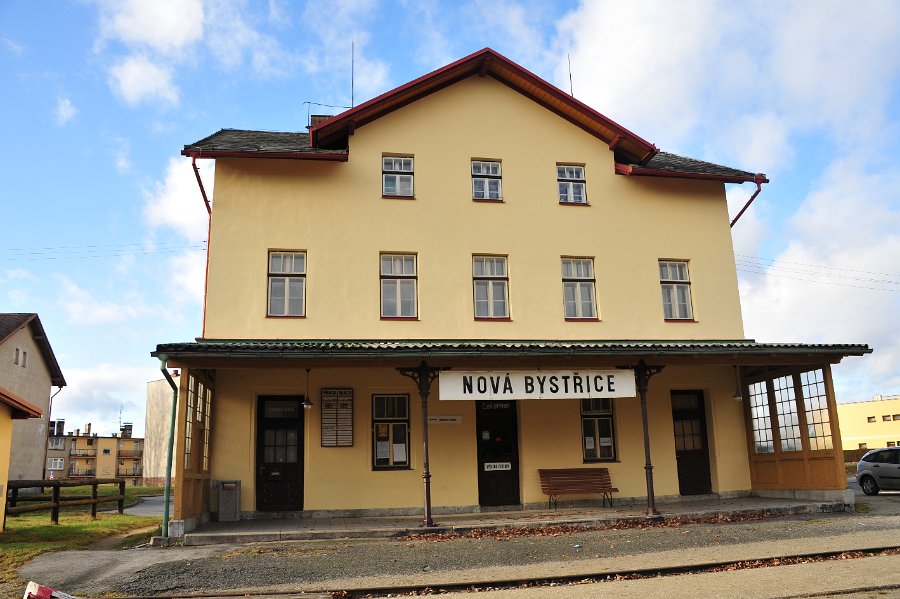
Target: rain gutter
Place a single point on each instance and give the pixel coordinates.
(167, 493)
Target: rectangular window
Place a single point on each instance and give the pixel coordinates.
(491, 287)
(896, 416)
(578, 288)
(760, 419)
(891, 444)
(486, 182)
(570, 181)
(398, 286)
(287, 284)
(390, 431)
(863, 445)
(57, 443)
(397, 176)
(55, 463)
(886, 417)
(818, 421)
(870, 419)
(786, 410)
(597, 430)
(676, 290)
(106, 451)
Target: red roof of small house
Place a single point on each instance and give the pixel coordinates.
(21, 409)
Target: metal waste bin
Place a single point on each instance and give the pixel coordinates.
(229, 500)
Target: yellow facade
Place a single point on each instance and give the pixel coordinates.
(871, 424)
(629, 225)
(6, 426)
(333, 211)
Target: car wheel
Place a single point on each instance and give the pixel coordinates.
(869, 486)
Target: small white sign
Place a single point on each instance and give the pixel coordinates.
(444, 419)
(492, 466)
(500, 385)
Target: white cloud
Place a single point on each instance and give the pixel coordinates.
(837, 279)
(65, 111)
(96, 395)
(176, 202)
(85, 309)
(516, 26)
(165, 26)
(137, 79)
(337, 24)
(14, 47)
(121, 149)
(761, 141)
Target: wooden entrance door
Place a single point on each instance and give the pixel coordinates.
(498, 453)
(691, 451)
(279, 453)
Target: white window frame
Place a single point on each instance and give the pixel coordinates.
(487, 183)
(597, 414)
(490, 287)
(286, 284)
(571, 184)
(398, 176)
(579, 289)
(390, 424)
(399, 285)
(675, 282)
(58, 443)
(56, 463)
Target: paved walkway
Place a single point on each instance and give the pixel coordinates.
(293, 529)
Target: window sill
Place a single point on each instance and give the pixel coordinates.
(489, 319)
(574, 204)
(600, 461)
(690, 320)
(390, 197)
(389, 468)
(285, 316)
(582, 319)
(403, 318)
(488, 201)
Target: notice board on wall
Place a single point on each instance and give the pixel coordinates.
(337, 417)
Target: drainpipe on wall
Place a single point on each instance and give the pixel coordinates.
(167, 494)
(759, 180)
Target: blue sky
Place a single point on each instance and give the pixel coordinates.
(104, 228)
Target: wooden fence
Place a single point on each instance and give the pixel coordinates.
(36, 502)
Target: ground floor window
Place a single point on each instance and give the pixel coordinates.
(597, 430)
(55, 463)
(390, 431)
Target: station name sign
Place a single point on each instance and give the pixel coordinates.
(492, 385)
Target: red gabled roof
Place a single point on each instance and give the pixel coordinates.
(20, 408)
(332, 133)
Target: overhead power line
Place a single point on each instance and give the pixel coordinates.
(820, 274)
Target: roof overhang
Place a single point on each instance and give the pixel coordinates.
(40, 338)
(499, 353)
(198, 154)
(333, 132)
(21, 409)
(632, 170)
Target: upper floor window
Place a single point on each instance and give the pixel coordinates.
(570, 181)
(676, 290)
(287, 284)
(486, 182)
(56, 463)
(491, 287)
(578, 288)
(57, 443)
(397, 176)
(398, 286)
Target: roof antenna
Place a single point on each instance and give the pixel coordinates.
(569, 58)
(352, 64)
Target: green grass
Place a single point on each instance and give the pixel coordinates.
(30, 535)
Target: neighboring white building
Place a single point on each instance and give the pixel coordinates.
(156, 431)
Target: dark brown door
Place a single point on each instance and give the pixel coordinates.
(498, 453)
(691, 451)
(279, 453)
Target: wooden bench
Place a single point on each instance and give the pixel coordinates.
(576, 481)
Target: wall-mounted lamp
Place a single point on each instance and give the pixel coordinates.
(307, 404)
(738, 394)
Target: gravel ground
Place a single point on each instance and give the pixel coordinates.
(306, 562)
